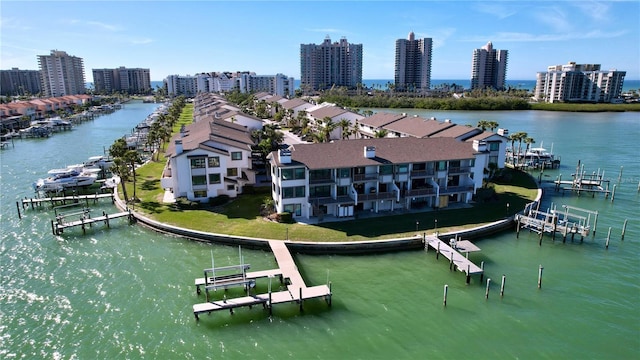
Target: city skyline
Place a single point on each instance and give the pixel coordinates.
(185, 38)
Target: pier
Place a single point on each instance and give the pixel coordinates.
(84, 219)
(582, 182)
(453, 251)
(296, 291)
(65, 199)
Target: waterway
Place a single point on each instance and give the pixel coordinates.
(127, 292)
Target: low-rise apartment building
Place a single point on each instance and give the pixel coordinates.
(344, 178)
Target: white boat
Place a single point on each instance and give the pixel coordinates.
(98, 162)
(65, 179)
(539, 153)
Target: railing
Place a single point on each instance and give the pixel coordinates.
(421, 192)
(323, 180)
(456, 189)
(459, 170)
(365, 177)
(422, 173)
(376, 196)
(324, 200)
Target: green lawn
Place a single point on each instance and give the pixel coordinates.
(241, 216)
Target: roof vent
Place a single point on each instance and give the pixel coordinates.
(369, 152)
(479, 145)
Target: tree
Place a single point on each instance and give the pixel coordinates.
(327, 127)
(124, 163)
(379, 134)
(483, 124)
(345, 128)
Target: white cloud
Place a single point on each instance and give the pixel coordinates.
(526, 37)
(95, 24)
(495, 9)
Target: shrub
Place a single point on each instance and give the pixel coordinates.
(285, 218)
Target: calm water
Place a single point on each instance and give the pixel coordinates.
(127, 292)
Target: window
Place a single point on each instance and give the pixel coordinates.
(295, 209)
(493, 160)
(494, 146)
(197, 163)
(236, 155)
(232, 172)
(231, 187)
(293, 174)
(200, 194)
(198, 180)
(214, 161)
(344, 173)
(441, 165)
(402, 168)
(293, 192)
(320, 191)
(323, 174)
(214, 178)
(386, 169)
(342, 190)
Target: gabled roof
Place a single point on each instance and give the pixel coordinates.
(206, 133)
(350, 153)
(327, 111)
(294, 103)
(486, 135)
(417, 126)
(381, 119)
(458, 131)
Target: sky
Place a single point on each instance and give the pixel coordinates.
(190, 37)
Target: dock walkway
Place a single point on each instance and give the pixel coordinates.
(455, 257)
(297, 290)
(58, 226)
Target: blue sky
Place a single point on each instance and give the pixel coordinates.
(188, 37)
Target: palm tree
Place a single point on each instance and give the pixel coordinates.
(483, 124)
(381, 133)
(327, 127)
(345, 127)
(492, 125)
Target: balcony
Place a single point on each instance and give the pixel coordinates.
(456, 189)
(376, 196)
(459, 170)
(327, 200)
(365, 177)
(421, 192)
(422, 173)
(321, 180)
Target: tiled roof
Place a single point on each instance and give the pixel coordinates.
(205, 132)
(294, 103)
(350, 153)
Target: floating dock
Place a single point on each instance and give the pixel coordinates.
(297, 291)
(453, 251)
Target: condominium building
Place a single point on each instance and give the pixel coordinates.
(344, 178)
(413, 64)
(122, 79)
(61, 74)
(19, 82)
(330, 64)
(489, 68)
(278, 84)
(579, 83)
(177, 85)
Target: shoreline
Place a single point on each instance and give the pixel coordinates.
(415, 242)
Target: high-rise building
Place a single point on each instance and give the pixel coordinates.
(489, 68)
(579, 83)
(330, 64)
(62, 74)
(128, 80)
(19, 82)
(413, 64)
(177, 85)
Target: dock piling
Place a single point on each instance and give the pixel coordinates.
(606, 245)
(482, 273)
(486, 293)
(540, 276)
(446, 290)
(18, 206)
(624, 228)
(502, 285)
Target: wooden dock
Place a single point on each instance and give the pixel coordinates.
(33, 202)
(453, 251)
(573, 220)
(60, 224)
(297, 291)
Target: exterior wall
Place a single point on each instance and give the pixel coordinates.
(62, 74)
(20, 82)
(325, 65)
(578, 83)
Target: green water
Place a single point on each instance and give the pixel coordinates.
(127, 292)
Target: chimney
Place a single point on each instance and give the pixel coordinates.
(503, 132)
(369, 152)
(479, 145)
(284, 156)
(178, 147)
